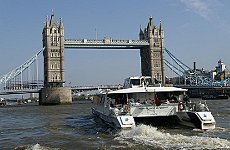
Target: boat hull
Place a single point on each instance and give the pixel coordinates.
(199, 120)
(120, 121)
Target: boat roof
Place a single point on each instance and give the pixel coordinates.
(147, 90)
(139, 77)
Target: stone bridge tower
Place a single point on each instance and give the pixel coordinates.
(53, 42)
(152, 57)
(54, 91)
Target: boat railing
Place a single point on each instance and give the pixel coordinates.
(191, 106)
(199, 107)
(120, 109)
(202, 107)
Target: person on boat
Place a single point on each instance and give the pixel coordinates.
(173, 99)
(157, 101)
(166, 101)
(123, 101)
(118, 101)
(138, 102)
(186, 99)
(181, 106)
(112, 102)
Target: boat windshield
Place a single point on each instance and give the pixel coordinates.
(135, 81)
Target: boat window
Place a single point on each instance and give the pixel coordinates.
(172, 97)
(135, 81)
(148, 81)
(163, 96)
(119, 98)
(126, 83)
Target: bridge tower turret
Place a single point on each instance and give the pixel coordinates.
(54, 91)
(53, 42)
(152, 57)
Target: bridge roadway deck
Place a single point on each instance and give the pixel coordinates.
(9, 92)
(199, 91)
(202, 87)
(193, 90)
(77, 88)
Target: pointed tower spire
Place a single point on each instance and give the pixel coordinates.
(141, 34)
(52, 12)
(150, 24)
(61, 24)
(161, 30)
(52, 20)
(61, 27)
(46, 22)
(46, 28)
(161, 27)
(150, 28)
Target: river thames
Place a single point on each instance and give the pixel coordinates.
(72, 127)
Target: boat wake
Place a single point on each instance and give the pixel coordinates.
(151, 136)
(35, 147)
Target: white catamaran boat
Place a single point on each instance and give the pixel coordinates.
(141, 101)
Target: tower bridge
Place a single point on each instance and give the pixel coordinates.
(150, 43)
(154, 58)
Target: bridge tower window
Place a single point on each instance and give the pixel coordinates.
(55, 66)
(58, 77)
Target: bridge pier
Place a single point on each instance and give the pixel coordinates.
(55, 96)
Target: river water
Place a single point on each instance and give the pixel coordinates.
(73, 127)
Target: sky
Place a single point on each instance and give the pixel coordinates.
(195, 30)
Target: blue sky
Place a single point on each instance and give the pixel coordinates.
(195, 30)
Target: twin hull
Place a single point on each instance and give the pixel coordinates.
(164, 115)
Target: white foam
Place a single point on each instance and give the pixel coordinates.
(39, 147)
(36, 147)
(149, 135)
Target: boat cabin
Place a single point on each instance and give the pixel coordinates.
(139, 81)
(142, 96)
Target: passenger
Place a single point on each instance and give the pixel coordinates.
(129, 102)
(112, 102)
(186, 99)
(173, 99)
(144, 102)
(181, 106)
(157, 101)
(123, 101)
(138, 102)
(166, 101)
(118, 101)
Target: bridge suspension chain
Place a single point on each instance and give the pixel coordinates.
(19, 70)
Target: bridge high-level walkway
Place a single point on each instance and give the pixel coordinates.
(106, 43)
